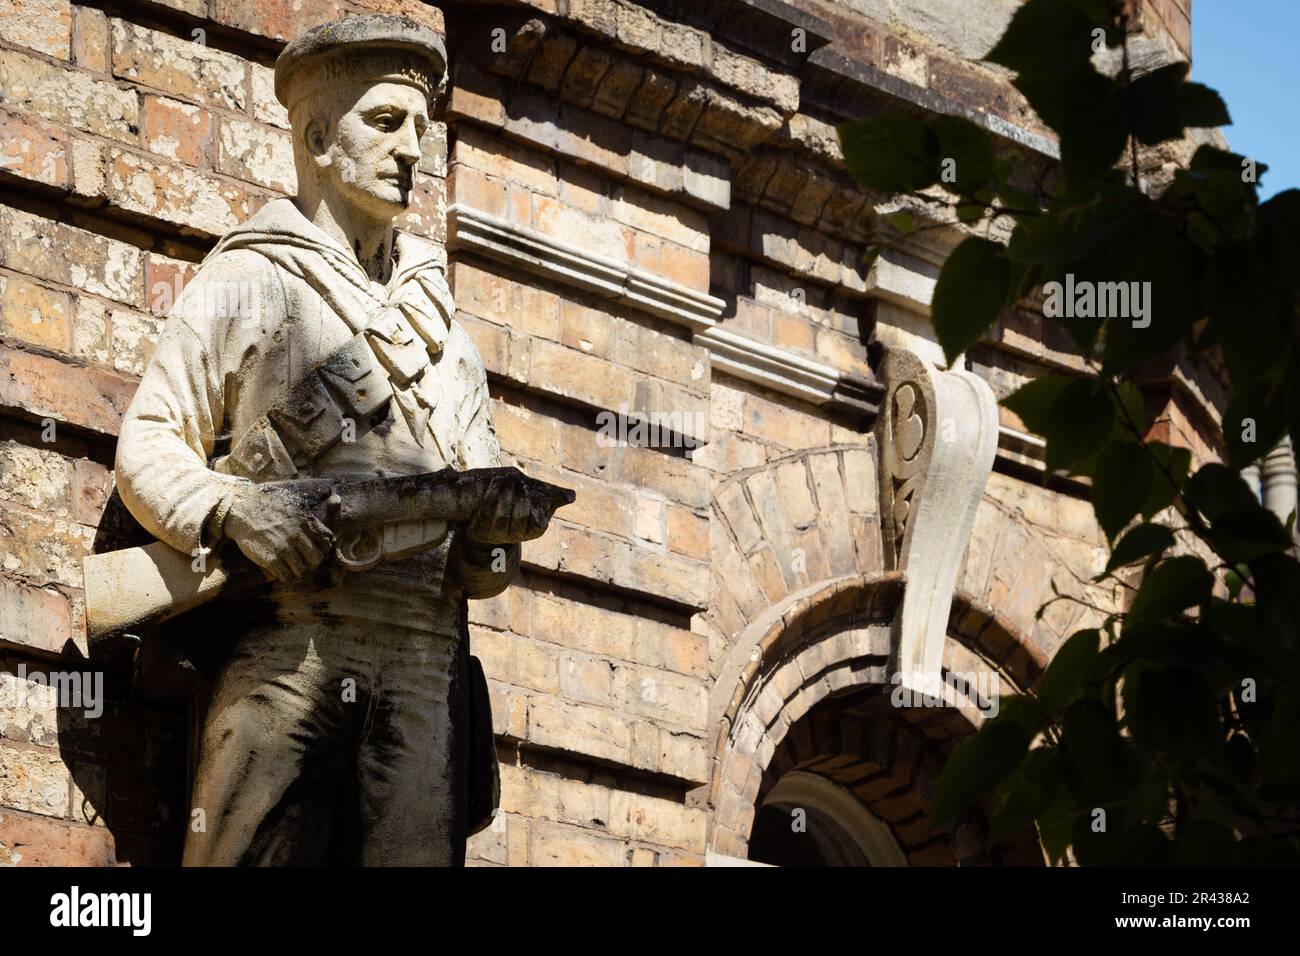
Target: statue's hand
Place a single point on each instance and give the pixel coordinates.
(511, 512)
(277, 532)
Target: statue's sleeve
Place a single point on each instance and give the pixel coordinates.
(171, 425)
(485, 570)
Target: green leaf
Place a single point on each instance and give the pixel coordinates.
(890, 153)
(982, 761)
(1249, 532)
(1171, 710)
(1094, 130)
(1083, 420)
(1049, 44)
(1121, 483)
(1152, 101)
(1254, 421)
(1170, 464)
(1063, 681)
(1140, 543)
(1026, 794)
(902, 220)
(969, 294)
(1044, 37)
(1056, 824)
(1095, 763)
(1166, 273)
(1174, 584)
(1216, 490)
(1206, 843)
(1202, 107)
(970, 147)
(1142, 844)
(1033, 401)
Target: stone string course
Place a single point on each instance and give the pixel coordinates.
(692, 153)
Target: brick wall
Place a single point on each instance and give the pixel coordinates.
(628, 192)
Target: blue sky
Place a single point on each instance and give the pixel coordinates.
(1249, 50)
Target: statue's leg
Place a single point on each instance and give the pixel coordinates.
(407, 778)
(276, 742)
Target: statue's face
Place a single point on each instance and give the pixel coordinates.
(376, 146)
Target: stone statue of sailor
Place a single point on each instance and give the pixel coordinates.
(314, 341)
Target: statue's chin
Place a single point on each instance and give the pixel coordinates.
(379, 200)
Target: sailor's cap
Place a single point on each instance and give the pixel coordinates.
(377, 46)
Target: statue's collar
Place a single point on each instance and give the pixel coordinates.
(281, 223)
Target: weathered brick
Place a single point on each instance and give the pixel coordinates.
(509, 161)
(578, 728)
(89, 172)
(473, 188)
(32, 86)
(35, 617)
(70, 256)
(638, 29)
(35, 314)
(520, 661)
(616, 88)
(27, 840)
(91, 333)
(582, 626)
(548, 65)
(34, 477)
(47, 387)
(265, 107)
(177, 194)
(33, 150)
(45, 550)
(179, 131)
(583, 77)
(281, 21)
(775, 422)
(42, 25)
(90, 40)
(134, 336)
(686, 267)
(185, 69)
(654, 820)
(92, 484)
(257, 153)
(554, 844)
(651, 98)
(34, 781)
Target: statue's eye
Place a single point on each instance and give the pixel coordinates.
(387, 122)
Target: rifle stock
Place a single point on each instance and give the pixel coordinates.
(128, 590)
(131, 589)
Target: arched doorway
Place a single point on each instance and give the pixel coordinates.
(809, 820)
(820, 760)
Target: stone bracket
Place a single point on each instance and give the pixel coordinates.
(937, 434)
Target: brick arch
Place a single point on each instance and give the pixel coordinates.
(787, 526)
(828, 640)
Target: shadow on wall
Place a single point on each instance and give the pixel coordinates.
(129, 763)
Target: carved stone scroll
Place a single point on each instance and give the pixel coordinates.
(937, 434)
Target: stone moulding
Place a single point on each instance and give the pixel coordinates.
(766, 365)
(938, 435)
(469, 228)
(745, 358)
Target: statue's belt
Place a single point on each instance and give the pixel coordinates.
(352, 383)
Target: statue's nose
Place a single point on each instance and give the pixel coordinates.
(408, 148)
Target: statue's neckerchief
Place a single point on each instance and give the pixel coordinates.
(417, 292)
